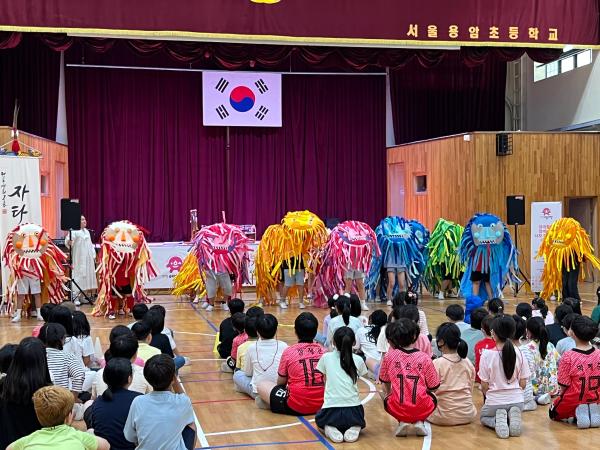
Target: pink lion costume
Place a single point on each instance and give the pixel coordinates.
(30, 253)
(351, 246)
(124, 266)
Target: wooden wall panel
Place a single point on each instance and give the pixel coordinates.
(54, 161)
(464, 177)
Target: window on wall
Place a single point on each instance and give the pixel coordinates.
(44, 184)
(420, 183)
(570, 60)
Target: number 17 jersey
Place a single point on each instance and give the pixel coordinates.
(412, 376)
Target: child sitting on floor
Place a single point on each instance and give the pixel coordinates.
(241, 381)
(457, 374)
(342, 415)
(366, 340)
(45, 312)
(226, 330)
(238, 320)
(486, 343)
(53, 406)
(578, 375)
(300, 387)
(408, 378)
(139, 311)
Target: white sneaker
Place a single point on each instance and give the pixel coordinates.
(77, 302)
(209, 308)
(333, 434)
(16, 318)
(112, 316)
(283, 305)
(204, 305)
(420, 429)
(351, 434)
(225, 307)
(195, 300)
(401, 429)
(301, 305)
(389, 303)
(187, 361)
(440, 295)
(40, 318)
(544, 399)
(364, 307)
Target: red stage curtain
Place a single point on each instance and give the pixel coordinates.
(328, 157)
(29, 72)
(138, 150)
(449, 98)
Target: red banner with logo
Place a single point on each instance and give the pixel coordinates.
(530, 23)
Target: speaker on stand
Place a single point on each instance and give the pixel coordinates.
(515, 215)
(70, 219)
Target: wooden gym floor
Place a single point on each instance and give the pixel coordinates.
(227, 419)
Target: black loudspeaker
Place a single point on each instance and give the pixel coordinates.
(503, 144)
(70, 214)
(515, 210)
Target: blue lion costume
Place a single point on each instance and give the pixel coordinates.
(486, 246)
(402, 244)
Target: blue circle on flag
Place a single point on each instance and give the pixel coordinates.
(242, 98)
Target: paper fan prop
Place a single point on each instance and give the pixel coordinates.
(443, 258)
(565, 245)
(30, 253)
(124, 257)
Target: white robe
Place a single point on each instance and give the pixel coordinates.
(84, 255)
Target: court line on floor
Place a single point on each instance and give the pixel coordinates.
(193, 332)
(208, 321)
(199, 431)
(258, 444)
(207, 359)
(372, 392)
(206, 381)
(427, 438)
(227, 400)
(316, 433)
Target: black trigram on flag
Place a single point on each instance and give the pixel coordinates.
(261, 86)
(222, 112)
(261, 113)
(222, 85)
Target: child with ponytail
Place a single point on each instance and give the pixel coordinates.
(457, 374)
(540, 309)
(342, 415)
(343, 319)
(109, 412)
(520, 341)
(544, 378)
(503, 372)
(408, 377)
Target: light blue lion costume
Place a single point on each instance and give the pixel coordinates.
(402, 244)
(487, 246)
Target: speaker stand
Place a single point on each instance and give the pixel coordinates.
(71, 281)
(519, 286)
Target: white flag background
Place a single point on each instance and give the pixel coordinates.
(20, 198)
(241, 99)
(543, 215)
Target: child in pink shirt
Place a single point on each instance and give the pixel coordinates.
(504, 372)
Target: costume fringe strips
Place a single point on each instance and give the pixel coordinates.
(486, 246)
(46, 265)
(566, 243)
(137, 266)
(443, 259)
(219, 248)
(402, 244)
(351, 245)
(301, 235)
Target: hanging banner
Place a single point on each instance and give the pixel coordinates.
(543, 214)
(241, 99)
(20, 198)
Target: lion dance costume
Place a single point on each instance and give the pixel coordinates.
(565, 246)
(219, 248)
(124, 266)
(351, 245)
(30, 253)
(295, 243)
(443, 261)
(486, 247)
(402, 245)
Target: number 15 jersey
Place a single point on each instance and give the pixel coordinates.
(412, 376)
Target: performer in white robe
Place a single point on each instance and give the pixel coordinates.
(84, 256)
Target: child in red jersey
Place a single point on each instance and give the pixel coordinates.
(300, 387)
(408, 378)
(485, 344)
(579, 378)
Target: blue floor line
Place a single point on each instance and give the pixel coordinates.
(316, 433)
(257, 444)
(210, 324)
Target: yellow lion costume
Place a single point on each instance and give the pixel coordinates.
(566, 244)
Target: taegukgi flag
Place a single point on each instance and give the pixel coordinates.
(241, 99)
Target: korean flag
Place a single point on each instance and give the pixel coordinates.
(241, 99)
